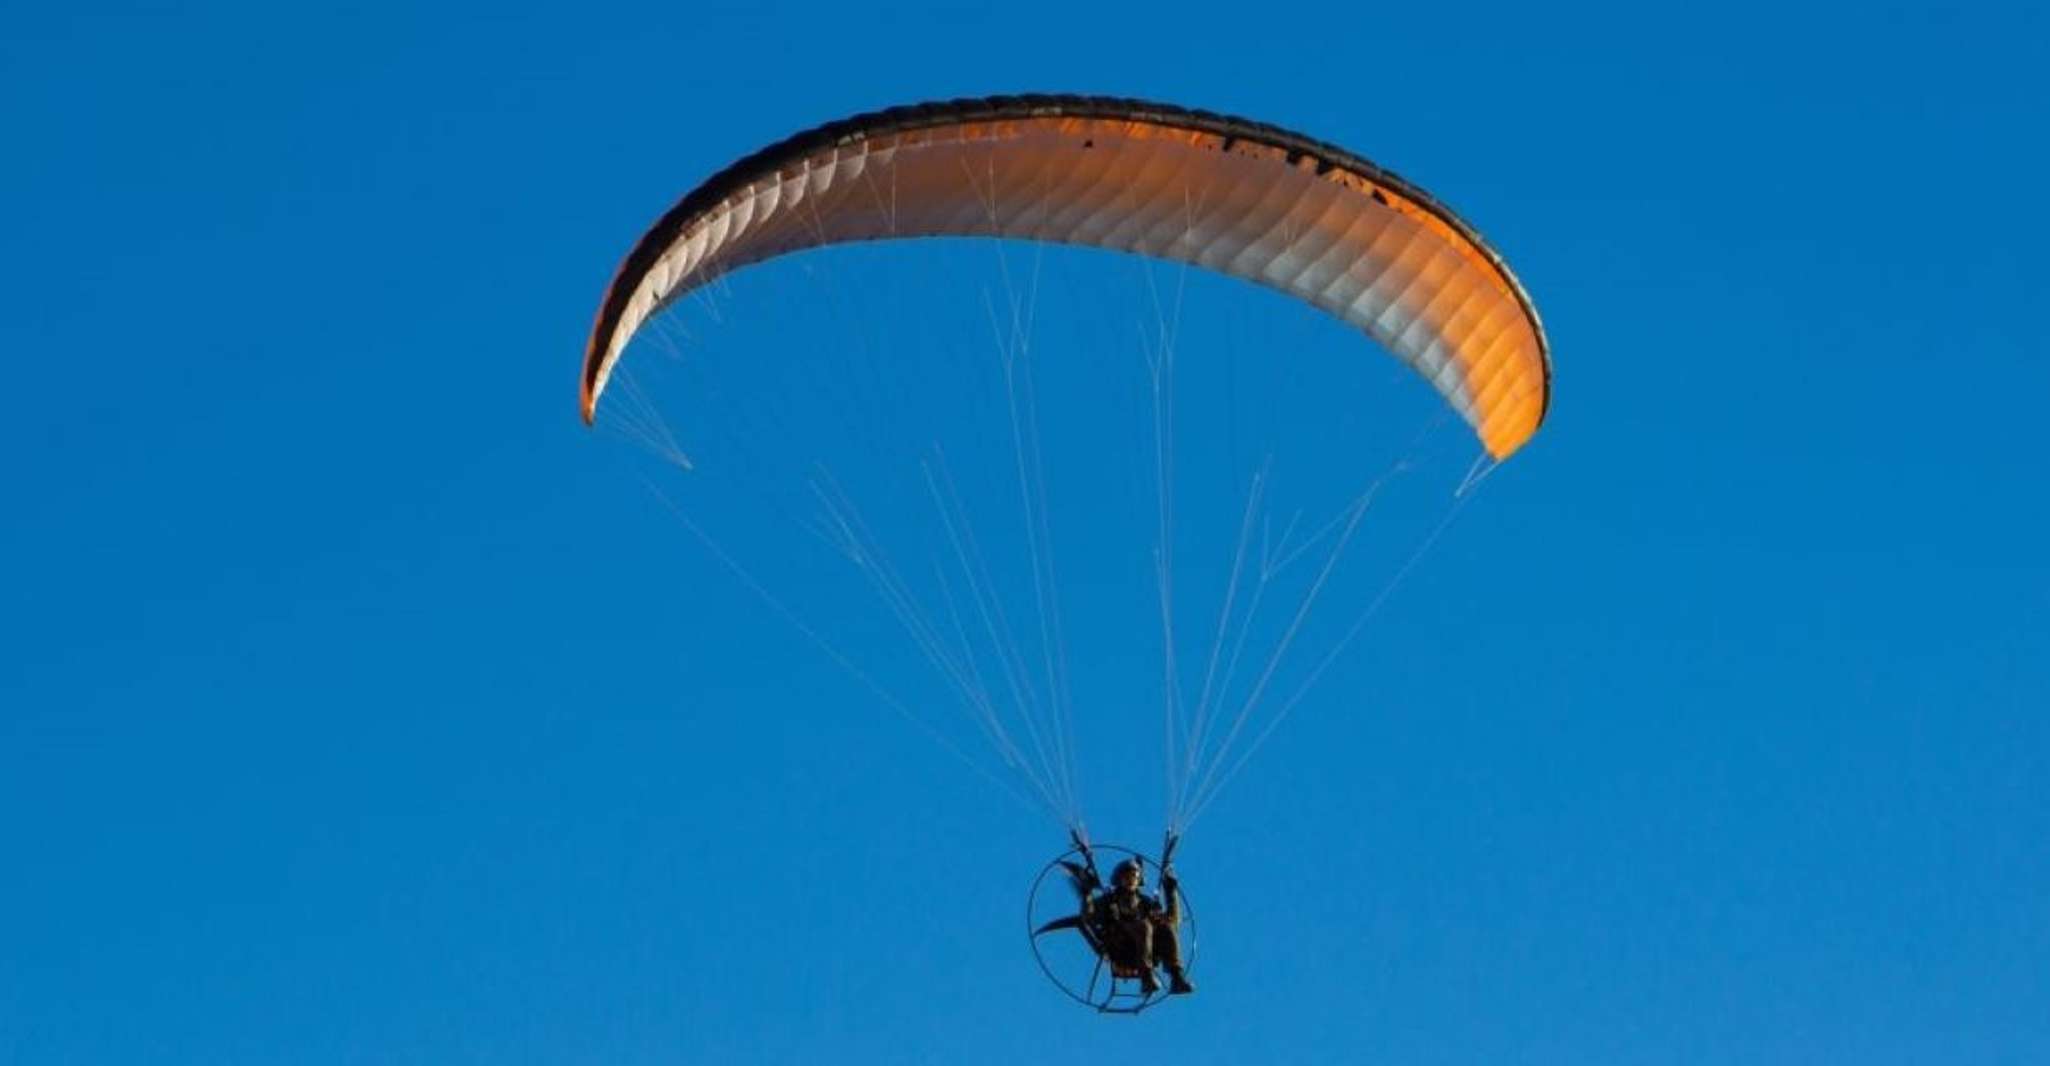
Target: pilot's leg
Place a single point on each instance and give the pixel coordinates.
(1140, 935)
(1167, 948)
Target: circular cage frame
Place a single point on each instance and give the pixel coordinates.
(1113, 999)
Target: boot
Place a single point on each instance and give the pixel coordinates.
(1178, 983)
(1149, 985)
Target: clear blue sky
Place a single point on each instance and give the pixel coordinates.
(358, 705)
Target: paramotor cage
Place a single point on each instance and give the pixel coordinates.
(1073, 952)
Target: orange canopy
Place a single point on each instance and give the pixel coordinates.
(1245, 199)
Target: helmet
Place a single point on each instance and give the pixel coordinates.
(1132, 867)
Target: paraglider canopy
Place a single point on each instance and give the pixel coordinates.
(1243, 198)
